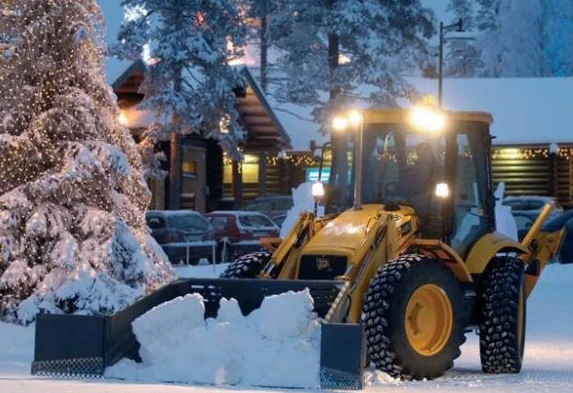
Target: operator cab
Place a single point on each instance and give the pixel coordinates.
(442, 172)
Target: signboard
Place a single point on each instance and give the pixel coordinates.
(312, 175)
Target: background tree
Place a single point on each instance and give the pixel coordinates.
(515, 38)
(512, 40)
(328, 48)
(257, 14)
(463, 57)
(72, 197)
(190, 83)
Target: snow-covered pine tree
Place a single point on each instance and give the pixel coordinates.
(463, 57)
(73, 236)
(558, 24)
(329, 47)
(258, 13)
(515, 38)
(190, 83)
(512, 43)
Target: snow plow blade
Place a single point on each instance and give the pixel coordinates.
(83, 346)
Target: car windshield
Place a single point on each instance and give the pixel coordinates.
(188, 222)
(255, 221)
(155, 222)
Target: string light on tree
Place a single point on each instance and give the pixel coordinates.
(72, 195)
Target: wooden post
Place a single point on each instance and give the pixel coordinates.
(553, 173)
(263, 173)
(237, 184)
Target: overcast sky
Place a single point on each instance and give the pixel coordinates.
(114, 15)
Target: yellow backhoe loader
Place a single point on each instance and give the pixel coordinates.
(409, 237)
(404, 262)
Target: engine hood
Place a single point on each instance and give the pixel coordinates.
(344, 234)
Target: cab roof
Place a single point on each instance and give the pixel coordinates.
(401, 115)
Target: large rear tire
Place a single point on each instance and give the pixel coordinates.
(413, 316)
(502, 309)
(247, 266)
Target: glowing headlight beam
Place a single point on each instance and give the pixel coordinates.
(429, 119)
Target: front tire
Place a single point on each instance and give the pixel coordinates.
(248, 265)
(413, 318)
(502, 310)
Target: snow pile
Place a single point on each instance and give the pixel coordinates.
(302, 201)
(504, 220)
(276, 345)
(373, 377)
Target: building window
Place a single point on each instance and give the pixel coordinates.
(249, 170)
(189, 168)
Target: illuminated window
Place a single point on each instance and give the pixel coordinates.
(228, 173)
(189, 168)
(249, 170)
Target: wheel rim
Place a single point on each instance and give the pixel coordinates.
(428, 319)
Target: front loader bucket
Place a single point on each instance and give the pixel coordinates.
(342, 354)
(84, 345)
(250, 293)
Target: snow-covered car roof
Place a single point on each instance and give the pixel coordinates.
(529, 197)
(238, 213)
(173, 212)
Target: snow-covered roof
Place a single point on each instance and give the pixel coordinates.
(237, 212)
(115, 68)
(256, 113)
(171, 213)
(525, 110)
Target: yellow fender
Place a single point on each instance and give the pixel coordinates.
(442, 252)
(487, 247)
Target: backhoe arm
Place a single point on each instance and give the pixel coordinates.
(283, 260)
(544, 245)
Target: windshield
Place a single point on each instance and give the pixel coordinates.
(399, 165)
(188, 222)
(255, 221)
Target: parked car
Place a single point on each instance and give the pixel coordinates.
(271, 206)
(532, 205)
(524, 222)
(279, 220)
(186, 236)
(238, 232)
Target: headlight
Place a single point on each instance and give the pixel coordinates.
(317, 190)
(442, 190)
(428, 119)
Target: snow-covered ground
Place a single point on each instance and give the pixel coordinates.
(548, 365)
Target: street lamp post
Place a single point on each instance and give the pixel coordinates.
(443, 30)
